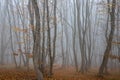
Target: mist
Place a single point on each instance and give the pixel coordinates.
(47, 38)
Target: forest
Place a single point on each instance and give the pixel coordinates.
(59, 39)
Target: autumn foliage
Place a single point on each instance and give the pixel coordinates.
(59, 74)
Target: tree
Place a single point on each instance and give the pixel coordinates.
(110, 37)
(36, 45)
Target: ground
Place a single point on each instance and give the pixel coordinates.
(59, 74)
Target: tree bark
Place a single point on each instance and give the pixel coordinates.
(36, 45)
(109, 44)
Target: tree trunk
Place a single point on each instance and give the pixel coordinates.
(36, 45)
(109, 44)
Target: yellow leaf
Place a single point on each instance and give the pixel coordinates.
(16, 29)
(20, 42)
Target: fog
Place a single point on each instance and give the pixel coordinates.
(83, 34)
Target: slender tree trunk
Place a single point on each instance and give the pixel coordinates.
(55, 32)
(109, 42)
(36, 45)
(43, 43)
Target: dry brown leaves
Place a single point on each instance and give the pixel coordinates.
(14, 74)
(59, 74)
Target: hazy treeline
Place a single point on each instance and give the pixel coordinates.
(84, 34)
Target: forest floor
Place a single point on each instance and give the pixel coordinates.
(59, 74)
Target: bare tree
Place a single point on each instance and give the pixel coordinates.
(110, 37)
(36, 46)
